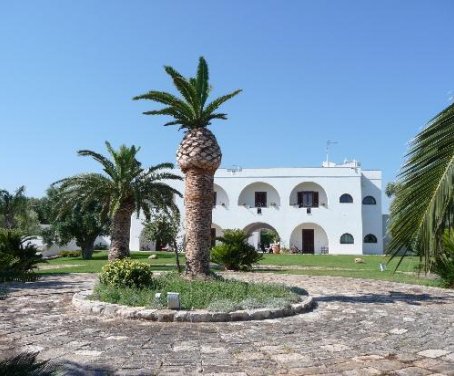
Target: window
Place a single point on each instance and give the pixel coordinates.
(347, 239)
(260, 199)
(308, 199)
(215, 196)
(346, 199)
(370, 238)
(369, 200)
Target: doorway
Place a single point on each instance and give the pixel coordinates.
(308, 241)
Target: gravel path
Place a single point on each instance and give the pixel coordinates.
(359, 328)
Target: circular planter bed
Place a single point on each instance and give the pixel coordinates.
(83, 303)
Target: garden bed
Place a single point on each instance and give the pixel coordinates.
(214, 300)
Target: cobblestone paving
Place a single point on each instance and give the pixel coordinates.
(359, 328)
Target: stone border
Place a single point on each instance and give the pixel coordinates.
(82, 302)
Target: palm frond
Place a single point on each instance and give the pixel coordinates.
(424, 202)
(169, 100)
(214, 105)
(190, 111)
(186, 89)
(203, 87)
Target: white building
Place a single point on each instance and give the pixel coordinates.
(334, 208)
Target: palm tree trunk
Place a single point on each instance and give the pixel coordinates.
(198, 206)
(121, 226)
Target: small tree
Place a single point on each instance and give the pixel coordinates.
(234, 252)
(17, 213)
(163, 227)
(71, 219)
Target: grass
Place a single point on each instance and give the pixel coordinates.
(344, 266)
(217, 295)
(317, 265)
(64, 265)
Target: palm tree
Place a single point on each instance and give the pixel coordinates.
(11, 206)
(124, 187)
(423, 206)
(198, 156)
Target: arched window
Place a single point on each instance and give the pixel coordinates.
(347, 239)
(369, 200)
(370, 238)
(346, 199)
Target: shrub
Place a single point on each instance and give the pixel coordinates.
(69, 253)
(443, 265)
(17, 256)
(126, 273)
(234, 252)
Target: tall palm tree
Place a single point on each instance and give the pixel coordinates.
(423, 206)
(124, 187)
(198, 156)
(11, 206)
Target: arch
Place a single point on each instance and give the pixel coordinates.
(347, 239)
(370, 238)
(254, 232)
(369, 200)
(346, 199)
(248, 195)
(216, 232)
(321, 241)
(221, 197)
(319, 198)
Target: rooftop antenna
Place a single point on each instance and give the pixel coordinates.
(328, 144)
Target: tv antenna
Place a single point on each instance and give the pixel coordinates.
(328, 145)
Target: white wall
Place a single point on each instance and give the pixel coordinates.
(281, 184)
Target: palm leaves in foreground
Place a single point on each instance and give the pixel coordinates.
(191, 111)
(124, 187)
(26, 364)
(424, 204)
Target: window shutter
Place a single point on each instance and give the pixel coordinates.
(315, 199)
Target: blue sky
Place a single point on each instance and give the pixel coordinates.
(367, 74)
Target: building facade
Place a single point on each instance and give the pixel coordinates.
(333, 209)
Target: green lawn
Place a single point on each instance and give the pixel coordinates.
(344, 266)
(63, 265)
(332, 265)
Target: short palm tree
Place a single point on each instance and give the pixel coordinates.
(198, 156)
(124, 187)
(12, 205)
(423, 206)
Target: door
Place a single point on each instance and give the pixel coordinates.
(308, 241)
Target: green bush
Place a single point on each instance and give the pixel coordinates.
(234, 252)
(126, 273)
(69, 253)
(443, 264)
(17, 256)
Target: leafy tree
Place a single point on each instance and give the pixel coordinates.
(17, 213)
(82, 221)
(198, 156)
(423, 207)
(234, 252)
(12, 205)
(41, 206)
(163, 227)
(124, 187)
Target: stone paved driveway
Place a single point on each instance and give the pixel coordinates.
(359, 328)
